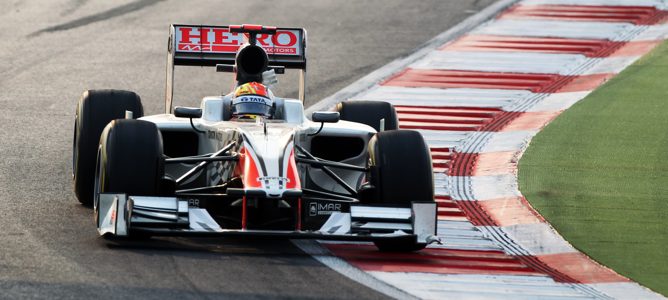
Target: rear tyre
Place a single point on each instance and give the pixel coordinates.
(369, 113)
(400, 173)
(95, 110)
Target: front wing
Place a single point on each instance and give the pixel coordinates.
(119, 215)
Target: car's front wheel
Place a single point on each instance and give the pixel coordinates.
(400, 173)
(130, 159)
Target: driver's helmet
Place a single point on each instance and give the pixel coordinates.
(252, 99)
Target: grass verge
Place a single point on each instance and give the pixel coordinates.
(599, 172)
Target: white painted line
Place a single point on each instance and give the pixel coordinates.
(562, 29)
(484, 187)
(558, 102)
(444, 230)
(326, 258)
(612, 65)
(462, 235)
(443, 97)
(494, 187)
(464, 286)
(457, 225)
(481, 244)
(440, 184)
(538, 239)
(497, 142)
(656, 3)
(442, 139)
(511, 62)
(507, 141)
(393, 67)
(653, 33)
(627, 290)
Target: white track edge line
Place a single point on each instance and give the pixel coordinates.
(324, 256)
(401, 63)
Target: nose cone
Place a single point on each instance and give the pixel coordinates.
(269, 160)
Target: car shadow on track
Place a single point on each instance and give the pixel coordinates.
(204, 248)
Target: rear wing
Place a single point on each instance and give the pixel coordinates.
(208, 46)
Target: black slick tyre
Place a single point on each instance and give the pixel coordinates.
(95, 109)
(130, 159)
(369, 113)
(401, 173)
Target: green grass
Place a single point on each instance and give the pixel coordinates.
(599, 172)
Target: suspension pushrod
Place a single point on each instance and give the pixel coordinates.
(200, 159)
(333, 164)
(329, 172)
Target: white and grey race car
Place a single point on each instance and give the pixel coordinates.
(349, 174)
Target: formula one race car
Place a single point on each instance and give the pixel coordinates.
(250, 163)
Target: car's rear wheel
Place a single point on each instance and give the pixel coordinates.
(95, 109)
(400, 173)
(369, 113)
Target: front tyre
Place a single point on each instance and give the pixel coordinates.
(130, 159)
(400, 173)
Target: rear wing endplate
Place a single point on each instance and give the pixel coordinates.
(207, 46)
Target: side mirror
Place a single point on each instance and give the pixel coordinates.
(187, 112)
(325, 116)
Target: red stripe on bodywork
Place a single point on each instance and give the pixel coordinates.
(639, 15)
(293, 177)
(247, 169)
(431, 260)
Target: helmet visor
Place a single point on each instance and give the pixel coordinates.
(252, 105)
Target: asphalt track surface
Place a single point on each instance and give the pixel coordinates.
(50, 51)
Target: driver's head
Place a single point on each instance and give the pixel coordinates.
(252, 99)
